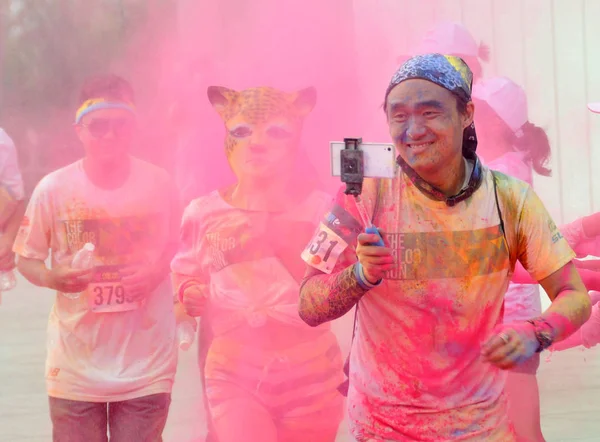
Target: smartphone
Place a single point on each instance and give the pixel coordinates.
(379, 159)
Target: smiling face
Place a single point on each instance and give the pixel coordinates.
(426, 125)
(263, 127)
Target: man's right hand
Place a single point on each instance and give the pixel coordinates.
(195, 299)
(67, 280)
(375, 260)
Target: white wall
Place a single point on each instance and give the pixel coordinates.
(550, 47)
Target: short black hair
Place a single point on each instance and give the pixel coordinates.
(107, 86)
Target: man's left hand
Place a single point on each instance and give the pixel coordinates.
(511, 345)
(7, 257)
(141, 280)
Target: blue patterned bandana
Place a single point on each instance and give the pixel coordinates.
(447, 71)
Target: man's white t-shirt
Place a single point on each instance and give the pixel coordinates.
(102, 346)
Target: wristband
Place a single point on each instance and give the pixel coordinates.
(184, 286)
(544, 333)
(361, 279)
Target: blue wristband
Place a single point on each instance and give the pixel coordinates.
(373, 230)
(359, 274)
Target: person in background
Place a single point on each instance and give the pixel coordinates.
(513, 145)
(588, 335)
(111, 353)
(268, 377)
(591, 223)
(12, 195)
(453, 38)
(519, 148)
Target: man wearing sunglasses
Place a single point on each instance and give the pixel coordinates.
(430, 347)
(111, 346)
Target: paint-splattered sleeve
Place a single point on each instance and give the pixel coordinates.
(588, 335)
(542, 248)
(578, 240)
(573, 232)
(329, 289)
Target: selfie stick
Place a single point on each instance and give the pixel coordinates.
(352, 173)
(352, 166)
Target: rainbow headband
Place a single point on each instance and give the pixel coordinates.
(95, 104)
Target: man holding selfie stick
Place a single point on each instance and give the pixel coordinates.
(430, 347)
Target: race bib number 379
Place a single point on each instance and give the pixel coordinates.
(324, 249)
(106, 294)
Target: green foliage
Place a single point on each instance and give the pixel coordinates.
(49, 47)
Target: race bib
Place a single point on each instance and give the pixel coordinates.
(106, 294)
(324, 249)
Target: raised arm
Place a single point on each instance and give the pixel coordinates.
(588, 264)
(343, 266)
(583, 235)
(591, 225)
(588, 273)
(587, 336)
(325, 297)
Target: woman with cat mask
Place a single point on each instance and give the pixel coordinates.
(268, 376)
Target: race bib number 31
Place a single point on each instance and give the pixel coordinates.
(324, 249)
(106, 294)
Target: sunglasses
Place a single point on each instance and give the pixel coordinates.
(101, 127)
